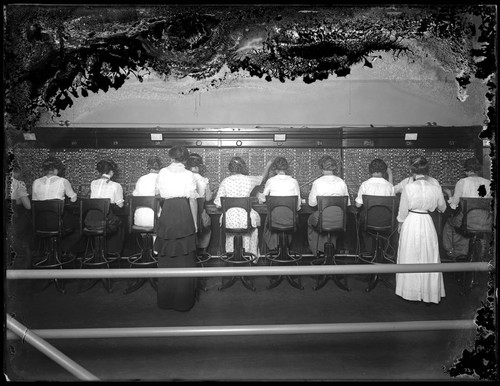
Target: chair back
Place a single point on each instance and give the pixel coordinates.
(282, 213)
(151, 202)
(47, 217)
(379, 213)
(97, 209)
(244, 203)
(477, 215)
(332, 213)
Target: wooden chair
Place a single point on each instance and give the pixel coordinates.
(144, 235)
(202, 258)
(96, 253)
(239, 256)
(48, 227)
(283, 255)
(478, 229)
(332, 219)
(379, 214)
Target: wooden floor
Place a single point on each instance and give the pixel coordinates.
(347, 356)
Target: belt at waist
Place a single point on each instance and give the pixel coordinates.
(413, 211)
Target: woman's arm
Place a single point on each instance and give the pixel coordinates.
(403, 207)
(221, 192)
(68, 189)
(312, 200)
(358, 201)
(265, 174)
(119, 201)
(441, 205)
(299, 198)
(21, 195)
(26, 202)
(208, 192)
(34, 191)
(454, 200)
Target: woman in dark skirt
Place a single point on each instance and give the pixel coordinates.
(176, 233)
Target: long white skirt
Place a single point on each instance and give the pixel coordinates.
(418, 244)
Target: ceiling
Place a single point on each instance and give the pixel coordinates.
(57, 54)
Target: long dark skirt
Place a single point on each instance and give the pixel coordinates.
(176, 246)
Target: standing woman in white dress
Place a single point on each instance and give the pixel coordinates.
(418, 241)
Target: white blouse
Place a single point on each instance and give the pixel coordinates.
(422, 196)
(398, 188)
(53, 187)
(202, 186)
(468, 187)
(105, 188)
(146, 185)
(282, 185)
(376, 186)
(328, 185)
(18, 190)
(176, 181)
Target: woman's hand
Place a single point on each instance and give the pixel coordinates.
(400, 224)
(261, 197)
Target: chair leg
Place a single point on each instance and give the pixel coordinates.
(238, 257)
(228, 283)
(52, 255)
(469, 279)
(274, 282)
(99, 250)
(376, 278)
(322, 280)
(295, 282)
(90, 284)
(145, 259)
(338, 283)
(134, 286)
(248, 283)
(202, 257)
(60, 285)
(283, 255)
(45, 285)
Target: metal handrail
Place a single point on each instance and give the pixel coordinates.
(266, 329)
(248, 271)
